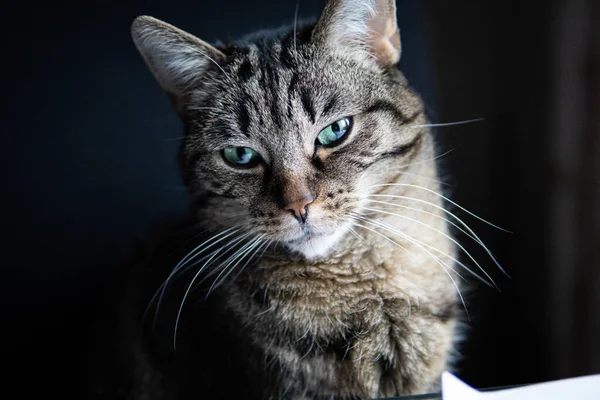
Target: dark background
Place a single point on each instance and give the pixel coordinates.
(88, 166)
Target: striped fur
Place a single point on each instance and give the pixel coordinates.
(324, 314)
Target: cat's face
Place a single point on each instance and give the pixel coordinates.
(292, 148)
(287, 134)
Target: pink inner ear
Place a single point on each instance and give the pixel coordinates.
(387, 48)
(385, 44)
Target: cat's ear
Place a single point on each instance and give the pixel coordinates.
(366, 29)
(177, 59)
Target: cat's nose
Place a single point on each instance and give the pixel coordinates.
(300, 207)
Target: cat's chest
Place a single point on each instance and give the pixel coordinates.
(341, 326)
(353, 337)
(328, 312)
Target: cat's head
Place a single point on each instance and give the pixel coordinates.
(286, 131)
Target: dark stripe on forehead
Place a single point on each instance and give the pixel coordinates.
(386, 106)
(243, 117)
(403, 150)
(409, 151)
(275, 111)
(307, 103)
(269, 84)
(331, 104)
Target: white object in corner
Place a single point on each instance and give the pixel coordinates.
(583, 388)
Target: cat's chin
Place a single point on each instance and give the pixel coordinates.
(316, 246)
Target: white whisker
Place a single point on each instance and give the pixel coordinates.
(443, 234)
(435, 259)
(464, 224)
(194, 279)
(296, 23)
(444, 154)
(356, 235)
(425, 212)
(248, 248)
(185, 296)
(230, 245)
(266, 244)
(195, 108)
(190, 256)
(443, 197)
(217, 64)
(467, 121)
(426, 178)
(416, 242)
(438, 250)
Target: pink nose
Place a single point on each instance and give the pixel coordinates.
(300, 208)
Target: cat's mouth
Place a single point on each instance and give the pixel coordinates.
(306, 235)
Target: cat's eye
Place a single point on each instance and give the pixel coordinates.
(332, 135)
(243, 157)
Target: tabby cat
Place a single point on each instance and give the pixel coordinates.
(317, 261)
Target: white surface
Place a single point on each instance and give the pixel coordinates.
(584, 388)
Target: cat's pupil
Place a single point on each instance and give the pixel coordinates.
(242, 154)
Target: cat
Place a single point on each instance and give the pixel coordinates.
(321, 264)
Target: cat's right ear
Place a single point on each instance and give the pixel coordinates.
(363, 29)
(177, 59)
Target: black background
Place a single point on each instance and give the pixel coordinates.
(88, 163)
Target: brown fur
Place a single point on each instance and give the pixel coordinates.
(336, 307)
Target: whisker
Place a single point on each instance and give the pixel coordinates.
(467, 227)
(444, 154)
(356, 235)
(204, 231)
(467, 121)
(427, 179)
(198, 249)
(425, 212)
(194, 279)
(442, 252)
(435, 259)
(268, 243)
(443, 234)
(185, 296)
(244, 251)
(230, 246)
(217, 64)
(411, 253)
(443, 197)
(296, 22)
(416, 242)
(195, 108)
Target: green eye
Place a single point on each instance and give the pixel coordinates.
(333, 133)
(244, 157)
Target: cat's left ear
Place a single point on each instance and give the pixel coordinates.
(366, 29)
(179, 61)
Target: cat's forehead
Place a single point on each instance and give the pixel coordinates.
(264, 98)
